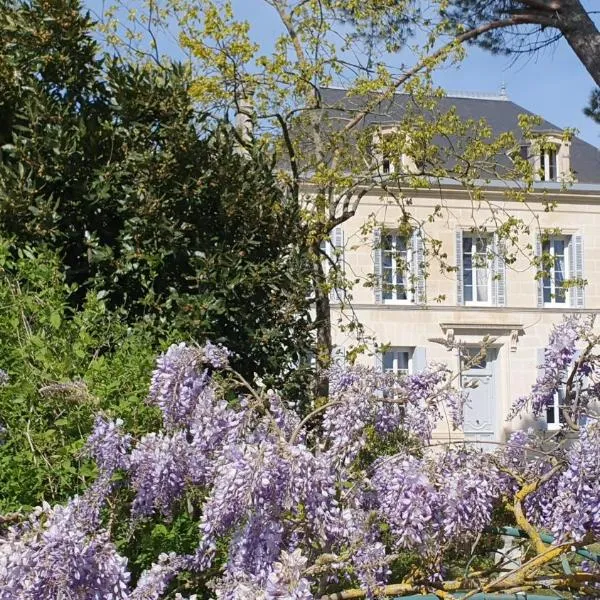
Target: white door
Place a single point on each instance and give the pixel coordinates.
(481, 415)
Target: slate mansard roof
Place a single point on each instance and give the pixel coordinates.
(500, 113)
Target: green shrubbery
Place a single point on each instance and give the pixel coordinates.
(112, 165)
(64, 365)
(132, 222)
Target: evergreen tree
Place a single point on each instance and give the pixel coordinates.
(111, 164)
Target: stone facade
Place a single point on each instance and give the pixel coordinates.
(521, 324)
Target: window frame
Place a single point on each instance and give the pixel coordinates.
(396, 350)
(407, 275)
(489, 267)
(549, 164)
(387, 166)
(555, 409)
(552, 303)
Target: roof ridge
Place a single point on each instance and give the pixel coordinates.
(478, 95)
(502, 95)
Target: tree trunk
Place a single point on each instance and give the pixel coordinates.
(582, 35)
(323, 326)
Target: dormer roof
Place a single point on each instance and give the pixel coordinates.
(501, 114)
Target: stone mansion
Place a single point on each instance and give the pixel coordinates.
(483, 296)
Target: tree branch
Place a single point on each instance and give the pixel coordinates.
(423, 63)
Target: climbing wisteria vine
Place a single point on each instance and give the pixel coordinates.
(351, 499)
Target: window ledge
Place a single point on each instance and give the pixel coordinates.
(496, 327)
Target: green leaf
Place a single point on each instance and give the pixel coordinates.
(55, 320)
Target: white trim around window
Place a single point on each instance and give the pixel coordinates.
(398, 360)
(477, 270)
(554, 294)
(396, 269)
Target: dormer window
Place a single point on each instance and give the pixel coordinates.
(549, 164)
(389, 153)
(386, 166)
(550, 156)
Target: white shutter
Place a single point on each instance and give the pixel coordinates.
(499, 272)
(459, 268)
(336, 295)
(377, 265)
(540, 281)
(419, 359)
(378, 356)
(578, 298)
(418, 267)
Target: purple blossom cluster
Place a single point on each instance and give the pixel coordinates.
(469, 486)
(276, 494)
(177, 384)
(160, 465)
(108, 445)
(363, 399)
(285, 580)
(445, 498)
(55, 554)
(558, 356)
(371, 564)
(260, 491)
(407, 501)
(575, 508)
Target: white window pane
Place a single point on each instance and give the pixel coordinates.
(395, 273)
(547, 291)
(550, 417)
(482, 284)
(559, 247)
(397, 361)
(559, 277)
(554, 292)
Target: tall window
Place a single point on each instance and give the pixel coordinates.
(548, 164)
(477, 272)
(553, 291)
(398, 360)
(554, 416)
(386, 165)
(396, 257)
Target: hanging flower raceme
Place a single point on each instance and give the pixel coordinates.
(558, 356)
(58, 554)
(575, 510)
(290, 507)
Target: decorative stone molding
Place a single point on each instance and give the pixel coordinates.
(514, 339)
(510, 330)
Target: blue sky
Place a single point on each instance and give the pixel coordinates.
(553, 83)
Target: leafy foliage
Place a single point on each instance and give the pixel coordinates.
(111, 165)
(331, 145)
(63, 366)
(593, 108)
(282, 508)
(524, 27)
